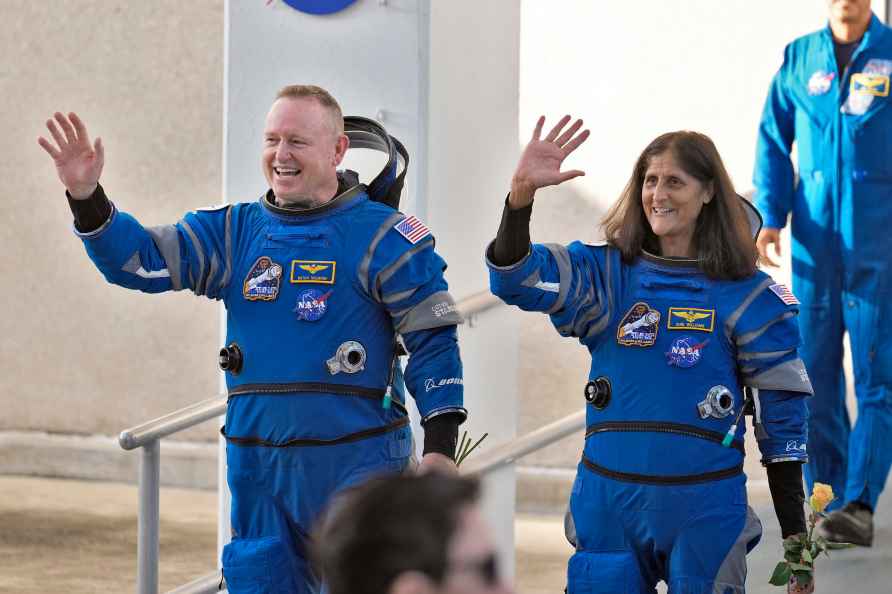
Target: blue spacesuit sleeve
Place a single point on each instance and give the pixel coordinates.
(405, 275)
(765, 333)
(193, 254)
(773, 174)
(570, 283)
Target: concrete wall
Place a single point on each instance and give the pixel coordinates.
(78, 355)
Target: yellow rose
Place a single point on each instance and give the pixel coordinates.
(821, 496)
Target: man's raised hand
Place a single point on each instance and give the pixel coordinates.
(540, 162)
(78, 163)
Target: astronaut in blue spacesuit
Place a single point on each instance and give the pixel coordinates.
(684, 334)
(322, 287)
(831, 96)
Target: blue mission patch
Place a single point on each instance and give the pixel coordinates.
(263, 280)
(639, 326)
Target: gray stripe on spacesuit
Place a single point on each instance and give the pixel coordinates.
(763, 355)
(167, 240)
(571, 327)
(424, 315)
(399, 296)
(363, 268)
(387, 273)
(748, 337)
(731, 321)
(532, 280)
(198, 284)
(227, 235)
(562, 259)
(789, 375)
(732, 572)
(215, 266)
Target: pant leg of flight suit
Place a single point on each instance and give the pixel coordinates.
(867, 310)
(818, 287)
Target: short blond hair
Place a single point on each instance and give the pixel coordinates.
(320, 95)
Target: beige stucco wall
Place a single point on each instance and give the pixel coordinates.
(79, 355)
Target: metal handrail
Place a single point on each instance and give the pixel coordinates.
(148, 436)
(507, 453)
(171, 423)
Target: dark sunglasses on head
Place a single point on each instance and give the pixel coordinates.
(486, 567)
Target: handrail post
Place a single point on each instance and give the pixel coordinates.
(149, 518)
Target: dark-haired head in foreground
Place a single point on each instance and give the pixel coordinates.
(408, 535)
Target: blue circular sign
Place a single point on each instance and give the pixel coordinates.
(685, 352)
(311, 305)
(319, 6)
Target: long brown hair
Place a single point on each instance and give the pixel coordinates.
(722, 236)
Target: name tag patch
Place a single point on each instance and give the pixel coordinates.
(263, 280)
(639, 326)
(313, 271)
(691, 318)
(870, 84)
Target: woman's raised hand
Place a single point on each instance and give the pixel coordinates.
(540, 162)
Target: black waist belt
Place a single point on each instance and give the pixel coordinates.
(661, 427)
(652, 479)
(304, 442)
(312, 387)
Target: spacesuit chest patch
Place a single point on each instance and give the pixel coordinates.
(685, 352)
(639, 326)
(691, 318)
(263, 280)
(312, 304)
(820, 82)
(313, 271)
(412, 229)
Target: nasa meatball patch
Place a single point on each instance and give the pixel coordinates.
(639, 326)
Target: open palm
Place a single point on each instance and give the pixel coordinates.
(540, 163)
(78, 163)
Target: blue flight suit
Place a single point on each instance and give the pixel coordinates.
(842, 248)
(657, 496)
(303, 290)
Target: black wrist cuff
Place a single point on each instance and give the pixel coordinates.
(441, 434)
(513, 239)
(788, 496)
(90, 213)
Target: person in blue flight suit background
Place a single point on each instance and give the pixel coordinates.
(318, 282)
(831, 96)
(684, 334)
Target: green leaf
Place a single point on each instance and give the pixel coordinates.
(807, 557)
(835, 546)
(792, 544)
(797, 567)
(781, 574)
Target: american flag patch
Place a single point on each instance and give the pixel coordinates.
(785, 294)
(412, 229)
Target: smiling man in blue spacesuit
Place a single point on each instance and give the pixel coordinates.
(831, 96)
(319, 282)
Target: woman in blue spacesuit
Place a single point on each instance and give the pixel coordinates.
(684, 334)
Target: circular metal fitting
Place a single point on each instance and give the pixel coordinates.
(718, 404)
(598, 392)
(230, 359)
(349, 358)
